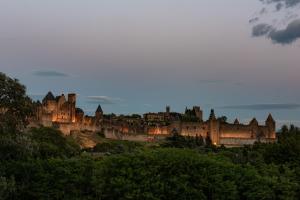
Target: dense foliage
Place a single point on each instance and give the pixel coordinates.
(116, 147)
(43, 164)
(15, 105)
(129, 170)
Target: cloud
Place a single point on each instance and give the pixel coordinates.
(49, 73)
(280, 106)
(279, 6)
(281, 28)
(253, 20)
(284, 36)
(209, 81)
(261, 29)
(103, 100)
(288, 35)
(263, 11)
(218, 82)
(286, 3)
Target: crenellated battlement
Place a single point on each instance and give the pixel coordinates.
(61, 112)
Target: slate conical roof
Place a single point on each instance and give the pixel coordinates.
(79, 110)
(49, 97)
(236, 121)
(38, 103)
(212, 115)
(99, 109)
(254, 121)
(270, 118)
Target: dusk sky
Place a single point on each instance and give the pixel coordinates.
(136, 56)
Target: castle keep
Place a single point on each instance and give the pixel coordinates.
(61, 112)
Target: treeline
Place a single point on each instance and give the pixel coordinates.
(57, 169)
(42, 164)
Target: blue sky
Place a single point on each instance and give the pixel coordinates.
(135, 56)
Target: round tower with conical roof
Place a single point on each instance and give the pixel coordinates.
(99, 114)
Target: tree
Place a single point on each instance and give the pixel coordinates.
(223, 119)
(208, 141)
(52, 143)
(7, 187)
(15, 105)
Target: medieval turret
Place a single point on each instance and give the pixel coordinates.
(72, 104)
(236, 121)
(38, 103)
(49, 97)
(271, 124)
(253, 122)
(99, 110)
(61, 100)
(168, 110)
(99, 113)
(254, 128)
(212, 115)
(72, 98)
(214, 128)
(270, 120)
(198, 112)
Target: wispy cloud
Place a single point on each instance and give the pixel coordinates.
(209, 81)
(104, 100)
(280, 106)
(280, 3)
(49, 73)
(218, 82)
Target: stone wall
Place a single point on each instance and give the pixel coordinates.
(194, 129)
(235, 142)
(116, 135)
(236, 131)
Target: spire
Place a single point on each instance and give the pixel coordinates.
(79, 110)
(168, 108)
(270, 118)
(254, 122)
(99, 109)
(236, 121)
(212, 115)
(49, 97)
